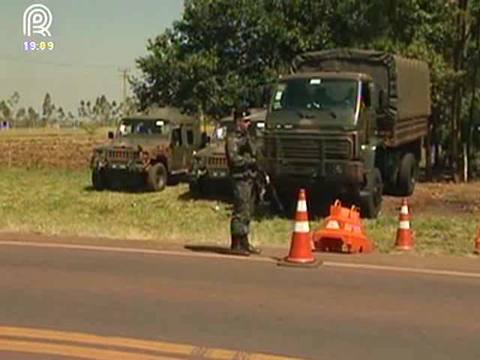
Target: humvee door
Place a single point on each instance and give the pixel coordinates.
(182, 145)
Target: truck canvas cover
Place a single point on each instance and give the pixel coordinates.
(405, 82)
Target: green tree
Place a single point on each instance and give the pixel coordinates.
(33, 118)
(48, 109)
(223, 52)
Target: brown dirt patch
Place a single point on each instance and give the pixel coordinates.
(440, 199)
(52, 151)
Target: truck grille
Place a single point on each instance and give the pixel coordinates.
(313, 149)
(217, 161)
(122, 155)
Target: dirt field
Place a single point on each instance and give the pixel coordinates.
(62, 149)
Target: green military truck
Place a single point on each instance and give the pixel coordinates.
(348, 123)
(209, 170)
(151, 149)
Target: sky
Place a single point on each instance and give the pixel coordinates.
(92, 41)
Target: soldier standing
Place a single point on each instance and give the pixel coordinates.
(241, 158)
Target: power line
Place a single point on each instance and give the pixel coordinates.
(9, 58)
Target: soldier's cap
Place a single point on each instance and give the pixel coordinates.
(242, 114)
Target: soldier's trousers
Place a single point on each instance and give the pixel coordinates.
(243, 202)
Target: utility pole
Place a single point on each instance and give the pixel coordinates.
(124, 74)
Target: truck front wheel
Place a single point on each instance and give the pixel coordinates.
(371, 196)
(407, 175)
(157, 177)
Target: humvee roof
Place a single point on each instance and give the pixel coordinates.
(173, 115)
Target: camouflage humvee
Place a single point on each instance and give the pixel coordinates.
(151, 149)
(209, 168)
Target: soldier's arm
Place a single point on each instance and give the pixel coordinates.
(234, 157)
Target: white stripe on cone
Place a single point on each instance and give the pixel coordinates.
(333, 225)
(302, 227)
(404, 210)
(404, 225)
(302, 206)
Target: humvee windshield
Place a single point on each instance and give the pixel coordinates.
(220, 131)
(143, 127)
(334, 96)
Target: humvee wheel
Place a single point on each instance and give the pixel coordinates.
(157, 177)
(99, 182)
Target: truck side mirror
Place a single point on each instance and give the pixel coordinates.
(111, 135)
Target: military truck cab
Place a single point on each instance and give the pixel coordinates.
(348, 122)
(151, 149)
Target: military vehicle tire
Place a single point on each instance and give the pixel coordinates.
(99, 180)
(371, 196)
(157, 177)
(407, 175)
(197, 188)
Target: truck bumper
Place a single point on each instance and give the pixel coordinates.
(210, 175)
(329, 171)
(131, 167)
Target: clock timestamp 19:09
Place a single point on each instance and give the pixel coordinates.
(42, 45)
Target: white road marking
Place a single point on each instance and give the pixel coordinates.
(132, 250)
(361, 266)
(403, 269)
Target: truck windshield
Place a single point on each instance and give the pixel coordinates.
(143, 127)
(336, 96)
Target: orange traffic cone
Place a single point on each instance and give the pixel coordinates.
(404, 239)
(300, 254)
(477, 243)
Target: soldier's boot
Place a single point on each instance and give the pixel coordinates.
(236, 248)
(249, 247)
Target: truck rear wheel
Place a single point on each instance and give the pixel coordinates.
(407, 175)
(157, 177)
(371, 196)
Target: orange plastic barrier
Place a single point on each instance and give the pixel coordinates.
(343, 232)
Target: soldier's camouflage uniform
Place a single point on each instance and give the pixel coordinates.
(241, 152)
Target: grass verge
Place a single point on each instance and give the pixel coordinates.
(61, 202)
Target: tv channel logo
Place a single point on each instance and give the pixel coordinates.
(37, 19)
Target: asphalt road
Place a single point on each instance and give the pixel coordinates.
(219, 303)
